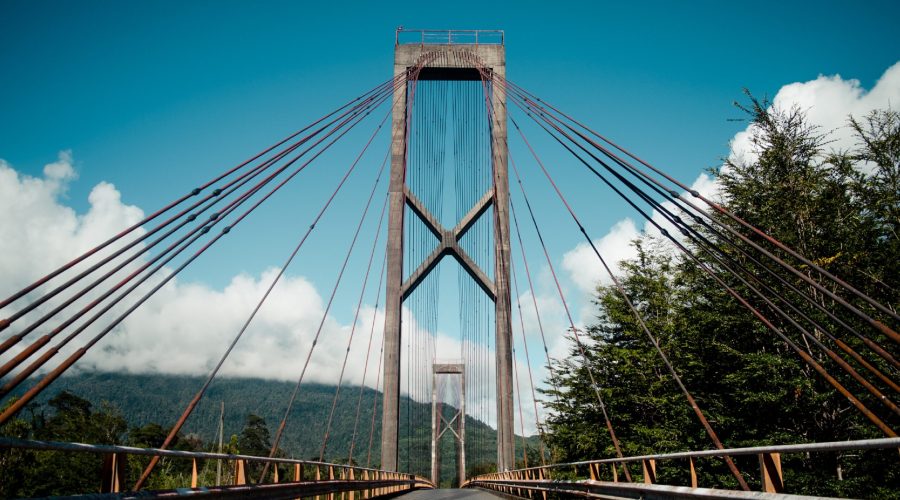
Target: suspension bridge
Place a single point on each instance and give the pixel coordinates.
(442, 189)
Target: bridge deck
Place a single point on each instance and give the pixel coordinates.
(448, 494)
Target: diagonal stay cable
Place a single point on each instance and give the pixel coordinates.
(721, 256)
(518, 397)
(537, 418)
(678, 201)
(375, 403)
(45, 339)
(809, 299)
(693, 404)
(213, 220)
(184, 242)
(362, 384)
(727, 213)
(362, 293)
(575, 335)
(199, 395)
(216, 195)
(687, 230)
(806, 357)
(194, 192)
(594, 385)
(312, 347)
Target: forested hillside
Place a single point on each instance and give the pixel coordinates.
(839, 208)
(139, 409)
(143, 399)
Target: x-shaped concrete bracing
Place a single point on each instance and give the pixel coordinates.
(449, 244)
(448, 425)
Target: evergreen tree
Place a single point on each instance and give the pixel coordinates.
(255, 440)
(840, 209)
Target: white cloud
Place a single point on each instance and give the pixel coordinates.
(37, 233)
(828, 101)
(584, 267)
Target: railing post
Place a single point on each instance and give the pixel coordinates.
(615, 473)
(298, 472)
(331, 478)
(649, 467)
(543, 476)
(693, 472)
(770, 469)
(240, 476)
(113, 473)
(275, 473)
(193, 473)
(352, 477)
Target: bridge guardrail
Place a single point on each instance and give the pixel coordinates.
(539, 480)
(448, 37)
(309, 477)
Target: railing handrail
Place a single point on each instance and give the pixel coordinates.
(33, 444)
(860, 444)
(449, 36)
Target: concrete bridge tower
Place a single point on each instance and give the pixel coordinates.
(444, 58)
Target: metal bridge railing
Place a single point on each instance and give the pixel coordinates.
(448, 37)
(307, 478)
(540, 480)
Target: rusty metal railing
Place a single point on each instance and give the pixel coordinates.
(305, 478)
(448, 37)
(539, 481)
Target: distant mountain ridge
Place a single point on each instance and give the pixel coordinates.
(146, 398)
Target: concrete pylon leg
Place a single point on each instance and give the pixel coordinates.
(502, 305)
(394, 279)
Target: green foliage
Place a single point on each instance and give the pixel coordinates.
(840, 209)
(151, 435)
(47, 473)
(255, 440)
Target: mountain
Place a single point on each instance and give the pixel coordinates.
(143, 399)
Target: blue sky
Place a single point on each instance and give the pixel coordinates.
(156, 97)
